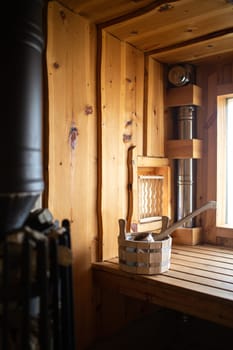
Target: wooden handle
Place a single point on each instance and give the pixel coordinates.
(130, 187)
(165, 223)
(122, 228)
(169, 230)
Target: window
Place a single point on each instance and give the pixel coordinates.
(225, 161)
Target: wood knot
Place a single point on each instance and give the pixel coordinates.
(56, 65)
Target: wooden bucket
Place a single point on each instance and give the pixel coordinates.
(142, 257)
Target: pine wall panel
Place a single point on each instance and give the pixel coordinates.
(71, 52)
(121, 127)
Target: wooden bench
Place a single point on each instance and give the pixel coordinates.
(199, 282)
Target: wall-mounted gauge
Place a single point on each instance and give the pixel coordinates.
(180, 75)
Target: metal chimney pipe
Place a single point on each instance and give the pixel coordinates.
(22, 48)
(186, 168)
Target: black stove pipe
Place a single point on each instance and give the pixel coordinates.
(22, 63)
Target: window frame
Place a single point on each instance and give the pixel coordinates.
(221, 226)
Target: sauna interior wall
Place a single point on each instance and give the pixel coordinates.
(126, 121)
(132, 113)
(72, 143)
(71, 52)
(215, 78)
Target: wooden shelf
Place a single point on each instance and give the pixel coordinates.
(185, 95)
(184, 149)
(152, 161)
(189, 236)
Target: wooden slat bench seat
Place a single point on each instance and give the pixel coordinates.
(199, 282)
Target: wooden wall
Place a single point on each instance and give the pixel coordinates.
(154, 111)
(122, 84)
(71, 52)
(132, 115)
(215, 78)
(72, 144)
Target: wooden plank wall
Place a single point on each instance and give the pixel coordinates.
(122, 82)
(71, 53)
(123, 119)
(72, 143)
(72, 175)
(154, 116)
(214, 78)
(132, 114)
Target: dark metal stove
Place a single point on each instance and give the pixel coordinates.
(22, 61)
(36, 286)
(36, 300)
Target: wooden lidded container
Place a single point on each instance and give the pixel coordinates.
(142, 257)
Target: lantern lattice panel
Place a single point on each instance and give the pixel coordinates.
(150, 197)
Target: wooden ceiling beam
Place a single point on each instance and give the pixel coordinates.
(203, 38)
(139, 12)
